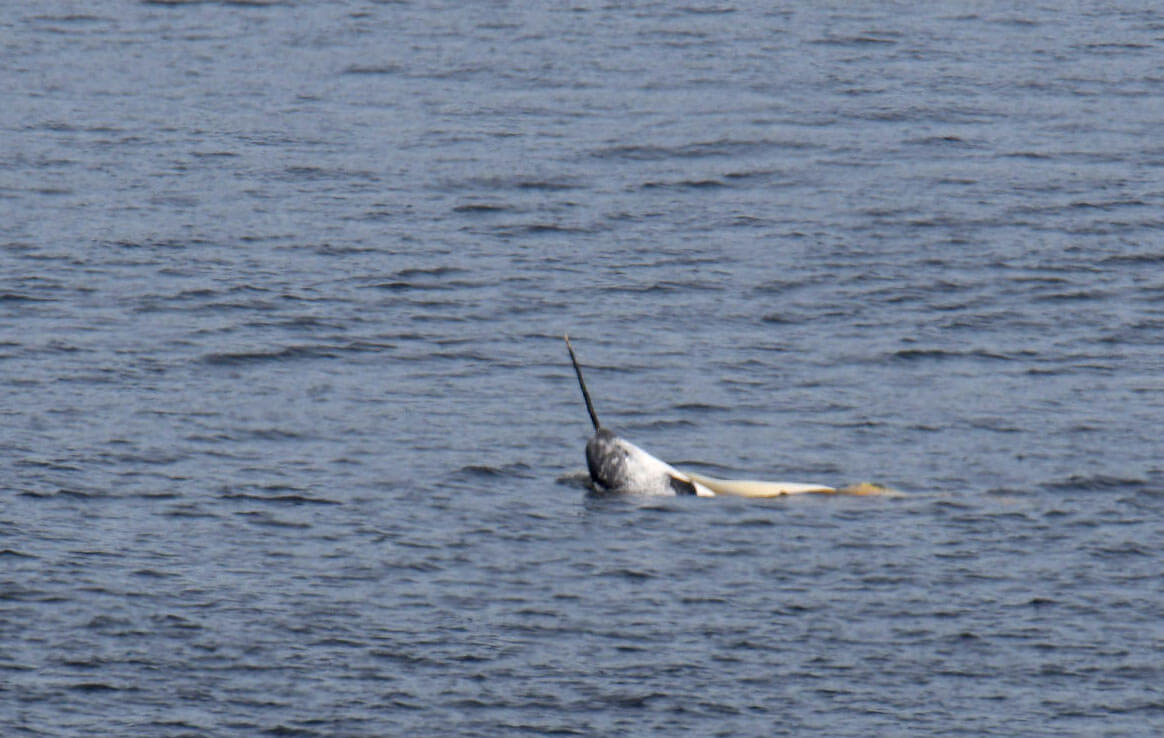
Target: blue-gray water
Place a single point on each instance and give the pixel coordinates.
(288, 431)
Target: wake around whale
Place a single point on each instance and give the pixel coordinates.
(617, 466)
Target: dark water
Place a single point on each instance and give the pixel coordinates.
(287, 428)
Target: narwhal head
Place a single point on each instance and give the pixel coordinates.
(618, 466)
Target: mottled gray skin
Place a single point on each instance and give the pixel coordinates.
(607, 460)
(618, 466)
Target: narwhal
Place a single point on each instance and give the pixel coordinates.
(617, 466)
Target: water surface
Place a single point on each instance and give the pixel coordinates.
(288, 433)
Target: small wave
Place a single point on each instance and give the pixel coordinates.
(941, 354)
(1093, 483)
(75, 494)
(152, 574)
(945, 141)
(93, 687)
(227, 3)
(481, 208)
(1072, 296)
(214, 154)
(21, 297)
(284, 354)
(338, 642)
(107, 622)
(763, 175)
(1035, 155)
(700, 407)
(331, 249)
(274, 434)
(663, 286)
(419, 278)
(708, 10)
(485, 471)
(1117, 46)
(1106, 205)
(187, 511)
(69, 18)
(267, 521)
(782, 318)
(633, 574)
(1135, 259)
(157, 245)
(537, 229)
(664, 423)
(279, 499)
(519, 183)
(374, 69)
(753, 523)
(53, 464)
(855, 41)
(1125, 549)
(403, 285)
(698, 150)
(436, 271)
(687, 184)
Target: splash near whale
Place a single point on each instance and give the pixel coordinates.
(618, 466)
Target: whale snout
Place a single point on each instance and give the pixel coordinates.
(606, 459)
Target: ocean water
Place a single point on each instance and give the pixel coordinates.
(290, 443)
